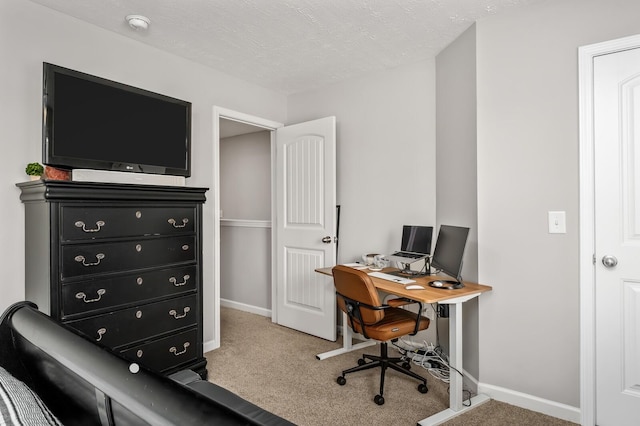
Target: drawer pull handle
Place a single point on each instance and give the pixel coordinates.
(175, 224)
(101, 333)
(176, 315)
(174, 350)
(81, 224)
(83, 296)
(139, 353)
(138, 248)
(185, 247)
(175, 282)
(138, 314)
(81, 258)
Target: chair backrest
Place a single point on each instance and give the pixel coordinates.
(357, 285)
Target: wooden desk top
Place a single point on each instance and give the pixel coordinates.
(429, 294)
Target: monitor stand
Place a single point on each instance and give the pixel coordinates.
(406, 270)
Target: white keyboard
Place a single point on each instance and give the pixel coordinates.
(393, 278)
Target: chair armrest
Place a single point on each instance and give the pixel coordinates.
(404, 301)
(400, 301)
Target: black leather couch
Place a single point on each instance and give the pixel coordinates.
(83, 384)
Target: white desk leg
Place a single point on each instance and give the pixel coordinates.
(455, 356)
(455, 384)
(347, 341)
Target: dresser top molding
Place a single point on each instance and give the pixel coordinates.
(51, 190)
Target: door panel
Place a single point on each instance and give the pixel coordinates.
(306, 213)
(617, 235)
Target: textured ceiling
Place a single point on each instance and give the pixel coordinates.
(292, 45)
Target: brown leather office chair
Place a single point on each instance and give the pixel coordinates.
(358, 298)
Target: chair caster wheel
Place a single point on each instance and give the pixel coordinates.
(406, 366)
(378, 399)
(423, 388)
(341, 380)
(361, 361)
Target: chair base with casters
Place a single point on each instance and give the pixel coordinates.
(384, 322)
(384, 361)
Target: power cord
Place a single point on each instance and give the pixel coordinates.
(432, 358)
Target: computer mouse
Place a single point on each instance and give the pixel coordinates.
(414, 287)
(436, 284)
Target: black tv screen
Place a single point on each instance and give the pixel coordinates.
(93, 123)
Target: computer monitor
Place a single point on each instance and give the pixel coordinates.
(447, 256)
(416, 239)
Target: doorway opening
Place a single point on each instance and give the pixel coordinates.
(243, 155)
(245, 217)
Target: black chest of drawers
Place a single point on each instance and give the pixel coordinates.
(120, 264)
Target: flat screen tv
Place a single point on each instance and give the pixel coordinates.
(94, 123)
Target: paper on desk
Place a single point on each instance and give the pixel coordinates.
(355, 265)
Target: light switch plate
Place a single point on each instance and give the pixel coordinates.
(557, 222)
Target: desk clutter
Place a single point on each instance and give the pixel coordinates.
(375, 262)
(416, 246)
(398, 277)
(390, 277)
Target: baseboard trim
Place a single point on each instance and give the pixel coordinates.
(225, 303)
(210, 345)
(470, 381)
(530, 402)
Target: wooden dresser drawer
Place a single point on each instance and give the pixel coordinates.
(81, 223)
(108, 293)
(167, 352)
(139, 323)
(95, 258)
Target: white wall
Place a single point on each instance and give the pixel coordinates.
(245, 266)
(385, 154)
(456, 171)
(245, 176)
(527, 165)
(31, 34)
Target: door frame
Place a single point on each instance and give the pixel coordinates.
(586, 54)
(218, 113)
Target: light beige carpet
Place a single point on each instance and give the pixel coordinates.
(275, 367)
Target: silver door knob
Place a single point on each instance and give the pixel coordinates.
(609, 261)
(326, 240)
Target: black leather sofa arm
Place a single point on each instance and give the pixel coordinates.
(82, 383)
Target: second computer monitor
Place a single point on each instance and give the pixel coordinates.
(449, 250)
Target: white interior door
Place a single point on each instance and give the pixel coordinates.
(306, 226)
(617, 236)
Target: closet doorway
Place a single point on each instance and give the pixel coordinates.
(243, 145)
(253, 250)
(245, 217)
